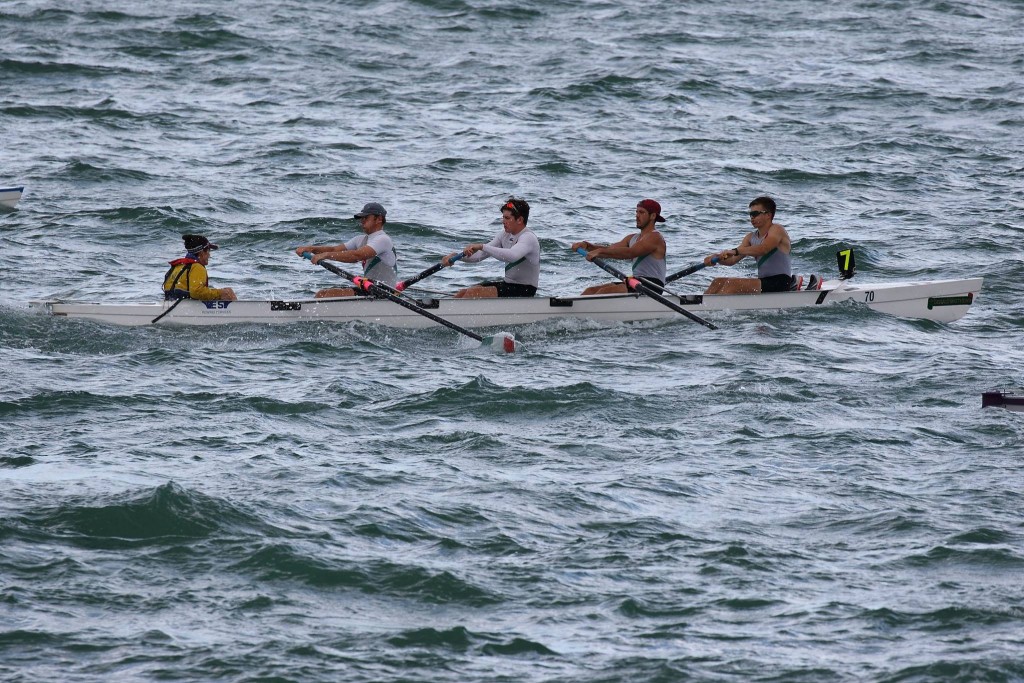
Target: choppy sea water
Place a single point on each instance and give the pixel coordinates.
(801, 496)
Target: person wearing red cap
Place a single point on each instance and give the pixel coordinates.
(187, 277)
(516, 245)
(646, 249)
(770, 246)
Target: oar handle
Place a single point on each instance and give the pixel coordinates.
(690, 271)
(644, 289)
(405, 284)
(628, 279)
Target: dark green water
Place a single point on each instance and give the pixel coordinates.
(801, 496)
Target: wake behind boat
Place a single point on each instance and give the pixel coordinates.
(9, 196)
(939, 300)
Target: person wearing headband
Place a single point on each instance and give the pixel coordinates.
(646, 249)
(373, 249)
(187, 277)
(770, 246)
(517, 246)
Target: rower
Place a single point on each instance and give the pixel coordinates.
(769, 243)
(516, 245)
(373, 248)
(646, 248)
(187, 277)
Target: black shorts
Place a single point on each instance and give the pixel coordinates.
(510, 289)
(776, 283)
(652, 282)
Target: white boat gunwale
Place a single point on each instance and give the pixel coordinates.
(938, 300)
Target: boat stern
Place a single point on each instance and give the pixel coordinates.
(9, 196)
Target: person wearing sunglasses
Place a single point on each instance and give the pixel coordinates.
(373, 249)
(646, 249)
(517, 246)
(770, 245)
(187, 277)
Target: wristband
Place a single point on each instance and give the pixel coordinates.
(736, 252)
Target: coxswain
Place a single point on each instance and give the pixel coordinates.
(187, 278)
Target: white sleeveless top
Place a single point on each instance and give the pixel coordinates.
(647, 266)
(775, 262)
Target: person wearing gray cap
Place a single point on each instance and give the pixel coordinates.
(373, 249)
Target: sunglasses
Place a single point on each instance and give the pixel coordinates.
(755, 214)
(509, 206)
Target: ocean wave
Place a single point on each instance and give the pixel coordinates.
(24, 68)
(461, 639)
(990, 558)
(165, 516)
(279, 562)
(83, 402)
(480, 397)
(94, 172)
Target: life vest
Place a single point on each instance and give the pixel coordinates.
(171, 290)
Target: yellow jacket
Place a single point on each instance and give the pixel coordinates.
(187, 279)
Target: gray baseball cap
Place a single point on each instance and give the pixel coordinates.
(372, 209)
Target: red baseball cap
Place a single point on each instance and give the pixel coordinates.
(652, 207)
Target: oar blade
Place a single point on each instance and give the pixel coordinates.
(503, 342)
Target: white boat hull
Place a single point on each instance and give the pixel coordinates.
(940, 300)
(9, 196)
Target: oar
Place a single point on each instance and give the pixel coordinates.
(689, 271)
(504, 341)
(658, 288)
(644, 289)
(675, 276)
(405, 284)
(155, 320)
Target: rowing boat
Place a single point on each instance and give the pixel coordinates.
(998, 399)
(9, 196)
(940, 300)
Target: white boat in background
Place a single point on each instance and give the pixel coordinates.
(9, 196)
(940, 300)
